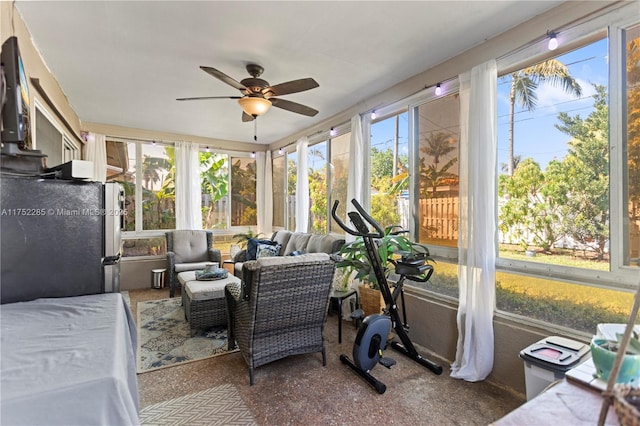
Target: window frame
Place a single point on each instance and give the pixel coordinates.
(612, 25)
(449, 87)
(67, 143)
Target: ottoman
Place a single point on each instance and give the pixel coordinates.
(203, 301)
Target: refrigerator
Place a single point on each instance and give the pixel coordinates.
(59, 238)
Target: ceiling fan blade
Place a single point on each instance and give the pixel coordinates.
(293, 107)
(246, 117)
(223, 77)
(294, 86)
(208, 97)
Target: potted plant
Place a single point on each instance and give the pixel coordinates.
(603, 353)
(242, 238)
(357, 265)
(241, 242)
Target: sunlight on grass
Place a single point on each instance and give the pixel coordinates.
(562, 260)
(580, 307)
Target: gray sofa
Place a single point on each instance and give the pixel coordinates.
(300, 242)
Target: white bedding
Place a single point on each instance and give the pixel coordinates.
(68, 361)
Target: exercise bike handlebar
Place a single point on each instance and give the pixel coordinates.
(358, 219)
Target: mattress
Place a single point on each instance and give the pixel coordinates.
(68, 361)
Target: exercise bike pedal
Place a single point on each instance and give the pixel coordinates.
(387, 362)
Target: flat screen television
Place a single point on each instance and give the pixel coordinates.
(15, 107)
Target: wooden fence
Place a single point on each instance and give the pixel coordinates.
(439, 217)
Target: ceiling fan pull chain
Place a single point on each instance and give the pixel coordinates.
(255, 129)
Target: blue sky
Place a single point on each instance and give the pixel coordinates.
(535, 134)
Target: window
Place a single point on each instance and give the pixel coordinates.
(146, 170)
(157, 174)
(339, 177)
(121, 165)
(278, 185)
(318, 194)
(153, 184)
(554, 163)
(52, 141)
(70, 150)
(438, 148)
(390, 170)
(228, 187)
(565, 185)
(243, 191)
(632, 73)
(292, 179)
(214, 188)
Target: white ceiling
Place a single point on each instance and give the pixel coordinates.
(125, 62)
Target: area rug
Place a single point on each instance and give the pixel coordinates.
(221, 405)
(164, 338)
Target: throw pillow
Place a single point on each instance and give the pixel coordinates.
(267, 250)
(296, 253)
(252, 247)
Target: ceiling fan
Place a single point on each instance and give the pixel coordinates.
(259, 95)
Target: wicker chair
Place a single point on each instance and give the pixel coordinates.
(280, 308)
(188, 251)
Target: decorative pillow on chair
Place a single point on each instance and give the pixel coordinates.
(252, 247)
(268, 250)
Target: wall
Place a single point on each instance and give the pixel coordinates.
(136, 274)
(11, 24)
(148, 135)
(433, 326)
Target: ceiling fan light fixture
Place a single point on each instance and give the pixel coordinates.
(254, 106)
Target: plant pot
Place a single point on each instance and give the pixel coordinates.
(604, 358)
(370, 299)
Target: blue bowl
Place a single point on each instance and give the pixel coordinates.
(603, 360)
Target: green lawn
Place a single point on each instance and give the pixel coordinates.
(576, 306)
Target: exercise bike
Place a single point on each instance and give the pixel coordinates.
(371, 339)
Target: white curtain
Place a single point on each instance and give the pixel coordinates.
(96, 152)
(477, 234)
(264, 198)
(302, 188)
(356, 188)
(188, 193)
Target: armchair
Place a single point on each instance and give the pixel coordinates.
(280, 308)
(188, 251)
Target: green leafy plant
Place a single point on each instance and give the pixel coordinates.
(633, 348)
(391, 247)
(242, 238)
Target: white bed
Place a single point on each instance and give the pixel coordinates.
(68, 361)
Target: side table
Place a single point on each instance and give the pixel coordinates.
(229, 265)
(339, 296)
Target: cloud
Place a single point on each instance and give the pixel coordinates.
(553, 99)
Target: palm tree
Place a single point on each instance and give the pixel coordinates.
(152, 167)
(523, 91)
(438, 145)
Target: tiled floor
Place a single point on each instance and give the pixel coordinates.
(299, 390)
